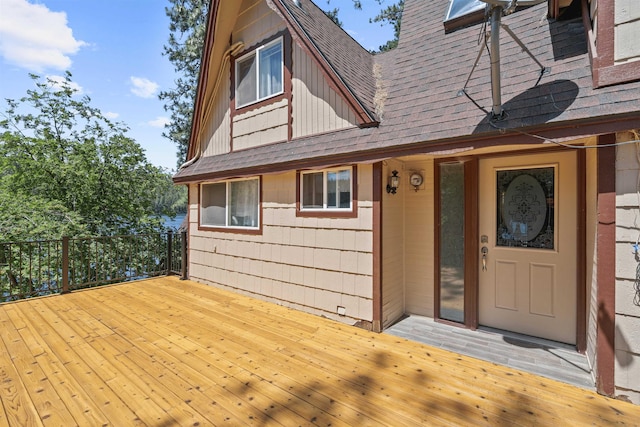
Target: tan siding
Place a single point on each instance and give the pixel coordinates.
(255, 23)
(627, 369)
(392, 249)
(311, 264)
(627, 28)
(217, 133)
(419, 250)
(261, 126)
(316, 107)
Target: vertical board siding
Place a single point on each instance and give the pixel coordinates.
(255, 23)
(419, 250)
(627, 345)
(217, 134)
(310, 264)
(316, 107)
(393, 236)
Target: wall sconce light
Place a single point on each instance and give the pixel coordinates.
(394, 182)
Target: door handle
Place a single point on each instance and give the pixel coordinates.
(484, 251)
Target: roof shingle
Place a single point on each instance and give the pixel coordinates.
(423, 111)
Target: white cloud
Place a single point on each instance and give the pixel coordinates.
(159, 122)
(111, 116)
(57, 81)
(143, 88)
(35, 38)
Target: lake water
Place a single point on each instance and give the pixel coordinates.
(175, 222)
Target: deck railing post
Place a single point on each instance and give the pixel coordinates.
(169, 251)
(65, 264)
(183, 244)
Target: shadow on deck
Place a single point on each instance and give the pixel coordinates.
(167, 352)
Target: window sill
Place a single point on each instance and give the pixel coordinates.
(327, 213)
(231, 230)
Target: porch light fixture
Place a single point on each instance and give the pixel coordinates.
(393, 183)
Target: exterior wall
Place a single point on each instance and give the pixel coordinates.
(316, 107)
(591, 254)
(310, 264)
(266, 124)
(627, 28)
(419, 250)
(217, 134)
(261, 126)
(393, 253)
(255, 23)
(627, 340)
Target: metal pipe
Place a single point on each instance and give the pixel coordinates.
(496, 16)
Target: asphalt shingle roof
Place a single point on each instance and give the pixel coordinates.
(423, 112)
(350, 61)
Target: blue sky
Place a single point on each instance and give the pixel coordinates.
(113, 48)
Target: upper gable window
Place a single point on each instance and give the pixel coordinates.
(459, 8)
(259, 74)
(461, 13)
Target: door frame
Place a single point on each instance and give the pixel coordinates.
(472, 240)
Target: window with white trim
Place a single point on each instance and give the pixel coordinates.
(233, 204)
(260, 74)
(329, 189)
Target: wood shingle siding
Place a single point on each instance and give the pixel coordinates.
(315, 264)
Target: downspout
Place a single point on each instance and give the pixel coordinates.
(233, 50)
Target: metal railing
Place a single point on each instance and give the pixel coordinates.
(30, 269)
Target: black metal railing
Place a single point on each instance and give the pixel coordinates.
(30, 269)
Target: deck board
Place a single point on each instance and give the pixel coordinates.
(170, 352)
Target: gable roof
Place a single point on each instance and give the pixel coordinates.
(347, 64)
(423, 112)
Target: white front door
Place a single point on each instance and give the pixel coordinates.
(528, 236)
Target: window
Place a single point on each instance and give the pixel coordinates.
(329, 189)
(233, 204)
(459, 8)
(462, 13)
(259, 74)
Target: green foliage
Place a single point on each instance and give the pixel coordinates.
(170, 199)
(393, 15)
(25, 217)
(188, 21)
(333, 15)
(66, 169)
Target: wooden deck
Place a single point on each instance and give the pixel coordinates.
(165, 352)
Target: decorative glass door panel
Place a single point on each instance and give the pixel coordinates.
(526, 208)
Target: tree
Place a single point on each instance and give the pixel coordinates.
(333, 15)
(188, 19)
(392, 15)
(71, 169)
